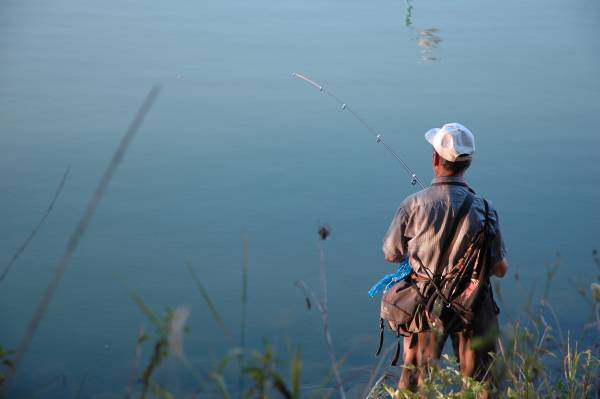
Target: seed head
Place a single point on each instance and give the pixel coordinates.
(324, 232)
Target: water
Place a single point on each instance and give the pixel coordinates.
(235, 146)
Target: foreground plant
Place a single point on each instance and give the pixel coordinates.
(443, 380)
(577, 378)
(167, 340)
(6, 362)
(263, 369)
(321, 303)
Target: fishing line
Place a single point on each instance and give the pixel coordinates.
(414, 179)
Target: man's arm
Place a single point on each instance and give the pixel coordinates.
(500, 268)
(497, 248)
(394, 242)
(392, 258)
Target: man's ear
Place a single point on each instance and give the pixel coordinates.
(436, 159)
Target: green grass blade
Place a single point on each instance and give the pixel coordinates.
(160, 392)
(296, 369)
(211, 306)
(244, 300)
(220, 381)
(150, 315)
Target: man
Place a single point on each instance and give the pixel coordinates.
(420, 228)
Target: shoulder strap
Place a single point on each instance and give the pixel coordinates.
(460, 215)
(487, 211)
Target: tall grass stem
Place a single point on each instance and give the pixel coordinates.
(137, 353)
(244, 300)
(207, 299)
(37, 227)
(80, 229)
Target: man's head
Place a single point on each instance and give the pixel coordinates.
(453, 148)
(442, 167)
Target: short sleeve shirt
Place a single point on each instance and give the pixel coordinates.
(424, 219)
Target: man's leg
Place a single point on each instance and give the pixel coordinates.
(409, 355)
(474, 345)
(418, 352)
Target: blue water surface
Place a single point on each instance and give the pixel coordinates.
(235, 147)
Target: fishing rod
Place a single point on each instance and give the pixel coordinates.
(414, 179)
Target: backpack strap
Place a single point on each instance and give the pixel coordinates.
(486, 206)
(397, 354)
(489, 284)
(460, 216)
(381, 329)
(444, 249)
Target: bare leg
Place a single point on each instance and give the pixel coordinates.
(419, 350)
(407, 378)
(475, 361)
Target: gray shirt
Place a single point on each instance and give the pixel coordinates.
(423, 219)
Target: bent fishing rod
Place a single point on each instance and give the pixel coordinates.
(414, 179)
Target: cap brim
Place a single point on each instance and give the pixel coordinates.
(463, 158)
(431, 134)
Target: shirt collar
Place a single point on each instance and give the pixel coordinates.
(448, 179)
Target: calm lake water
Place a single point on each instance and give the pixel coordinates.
(234, 146)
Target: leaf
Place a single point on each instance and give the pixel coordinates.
(308, 305)
(256, 373)
(220, 381)
(209, 303)
(295, 374)
(145, 309)
(160, 392)
(280, 386)
(176, 330)
(596, 291)
(231, 355)
(9, 363)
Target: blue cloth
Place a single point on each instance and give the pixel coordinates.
(403, 271)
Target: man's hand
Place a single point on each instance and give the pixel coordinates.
(500, 268)
(392, 258)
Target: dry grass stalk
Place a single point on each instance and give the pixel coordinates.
(80, 229)
(37, 227)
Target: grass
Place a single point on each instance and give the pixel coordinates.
(36, 228)
(75, 237)
(536, 358)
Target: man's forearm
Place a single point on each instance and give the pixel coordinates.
(500, 268)
(392, 258)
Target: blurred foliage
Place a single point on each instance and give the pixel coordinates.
(535, 359)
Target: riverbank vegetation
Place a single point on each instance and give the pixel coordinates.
(535, 359)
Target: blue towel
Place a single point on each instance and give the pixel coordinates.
(403, 271)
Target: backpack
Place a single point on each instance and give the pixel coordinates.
(454, 291)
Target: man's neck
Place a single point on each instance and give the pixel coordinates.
(445, 173)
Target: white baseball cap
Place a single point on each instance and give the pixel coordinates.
(453, 142)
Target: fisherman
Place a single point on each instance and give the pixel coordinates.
(420, 228)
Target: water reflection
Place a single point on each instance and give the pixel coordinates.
(427, 39)
(408, 17)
